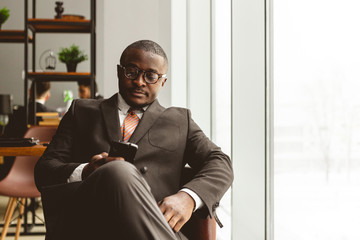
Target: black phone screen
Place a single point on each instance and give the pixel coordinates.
(126, 150)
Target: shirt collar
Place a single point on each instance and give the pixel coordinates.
(124, 107)
(42, 101)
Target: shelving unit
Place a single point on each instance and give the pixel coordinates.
(13, 36)
(59, 76)
(37, 26)
(59, 26)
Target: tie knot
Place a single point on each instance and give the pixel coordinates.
(131, 111)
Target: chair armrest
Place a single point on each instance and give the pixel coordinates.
(197, 228)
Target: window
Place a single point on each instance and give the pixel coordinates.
(316, 120)
(221, 97)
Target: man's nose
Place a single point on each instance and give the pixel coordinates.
(140, 81)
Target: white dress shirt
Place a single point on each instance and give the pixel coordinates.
(123, 111)
(41, 101)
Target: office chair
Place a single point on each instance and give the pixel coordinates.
(197, 228)
(19, 184)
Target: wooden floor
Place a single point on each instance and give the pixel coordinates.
(3, 204)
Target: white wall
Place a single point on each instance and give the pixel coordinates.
(123, 22)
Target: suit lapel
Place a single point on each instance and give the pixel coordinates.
(110, 114)
(148, 119)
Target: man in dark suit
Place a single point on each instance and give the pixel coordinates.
(42, 94)
(17, 123)
(89, 195)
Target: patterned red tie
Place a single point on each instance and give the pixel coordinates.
(130, 123)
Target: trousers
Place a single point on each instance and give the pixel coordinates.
(114, 202)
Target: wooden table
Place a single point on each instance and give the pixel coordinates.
(36, 150)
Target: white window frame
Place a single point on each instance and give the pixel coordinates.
(252, 206)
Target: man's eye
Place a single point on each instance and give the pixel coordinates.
(131, 71)
(151, 76)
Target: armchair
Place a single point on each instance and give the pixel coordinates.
(198, 228)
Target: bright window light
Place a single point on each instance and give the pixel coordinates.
(221, 97)
(316, 120)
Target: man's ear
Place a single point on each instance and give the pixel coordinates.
(118, 70)
(47, 96)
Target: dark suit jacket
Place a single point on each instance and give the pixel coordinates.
(17, 121)
(167, 138)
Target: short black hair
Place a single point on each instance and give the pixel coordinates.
(146, 45)
(41, 88)
(86, 83)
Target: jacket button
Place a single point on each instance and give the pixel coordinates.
(143, 170)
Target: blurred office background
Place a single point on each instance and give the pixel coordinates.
(273, 82)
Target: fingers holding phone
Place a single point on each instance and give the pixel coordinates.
(104, 157)
(118, 151)
(97, 161)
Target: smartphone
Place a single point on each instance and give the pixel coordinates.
(126, 150)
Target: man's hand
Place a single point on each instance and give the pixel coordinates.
(96, 162)
(177, 209)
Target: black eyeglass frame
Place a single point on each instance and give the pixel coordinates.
(139, 71)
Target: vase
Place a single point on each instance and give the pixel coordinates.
(59, 9)
(71, 67)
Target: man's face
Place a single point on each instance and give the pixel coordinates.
(138, 93)
(84, 91)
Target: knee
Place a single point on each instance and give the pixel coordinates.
(119, 172)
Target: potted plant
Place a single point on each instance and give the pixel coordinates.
(71, 57)
(4, 15)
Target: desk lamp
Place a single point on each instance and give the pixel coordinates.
(5, 111)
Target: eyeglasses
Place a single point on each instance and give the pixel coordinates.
(133, 72)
